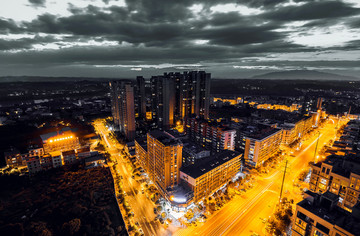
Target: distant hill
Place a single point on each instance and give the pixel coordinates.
(12, 79)
(303, 75)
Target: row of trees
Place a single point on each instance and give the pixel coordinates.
(279, 223)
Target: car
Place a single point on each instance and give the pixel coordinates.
(137, 223)
(161, 221)
(142, 191)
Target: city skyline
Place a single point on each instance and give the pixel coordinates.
(120, 39)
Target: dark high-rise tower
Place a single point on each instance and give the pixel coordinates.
(186, 94)
(140, 97)
(162, 101)
(122, 107)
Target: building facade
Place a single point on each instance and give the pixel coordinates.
(211, 136)
(140, 98)
(261, 146)
(320, 215)
(206, 177)
(60, 141)
(339, 175)
(164, 154)
(123, 107)
(175, 96)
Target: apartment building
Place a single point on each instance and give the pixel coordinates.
(33, 164)
(261, 145)
(210, 135)
(320, 215)
(175, 96)
(339, 175)
(141, 153)
(208, 175)
(69, 157)
(15, 158)
(123, 107)
(164, 158)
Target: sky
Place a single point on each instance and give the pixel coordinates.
(126, 38)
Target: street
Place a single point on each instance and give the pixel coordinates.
(244, 214)
(140, 204)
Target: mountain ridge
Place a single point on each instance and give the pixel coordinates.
(304, 74)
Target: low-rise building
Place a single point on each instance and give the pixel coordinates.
(57, 160)
(62, 140)
(69, 157)
(94, 161)
(83, 152)
(210, 174)
(46, 162)
(320, 215)
(34, 165)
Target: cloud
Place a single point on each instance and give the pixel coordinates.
(38, 2)
(313, 10)
(210, 33)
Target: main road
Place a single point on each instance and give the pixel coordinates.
(246, 214)
(140, 204)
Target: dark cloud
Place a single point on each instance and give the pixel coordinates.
(8, 26)
(162, 31)
(37, 2)
(354, 23)
(312, 11)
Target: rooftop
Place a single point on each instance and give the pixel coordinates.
(343, 165)
(46, 136)
(142, 142)
(71, 152)
(257, 131)
(164, 137)
(207, 164)
(325, 207)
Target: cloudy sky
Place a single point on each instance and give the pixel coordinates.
(229, 38)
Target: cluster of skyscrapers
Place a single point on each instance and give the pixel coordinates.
(168, 99)
(165, 102)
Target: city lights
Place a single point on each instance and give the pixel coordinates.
(61, 139)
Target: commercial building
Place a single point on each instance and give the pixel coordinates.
(208, 175)
(164, 158)
(60, 141)
(123, 107)
(261, 145)
(175, 96)
(339, 175)
(320, 215)
(210, 135)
